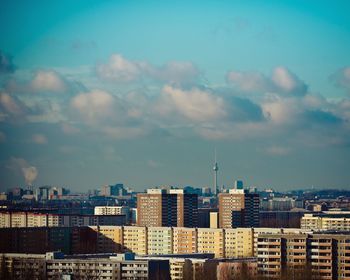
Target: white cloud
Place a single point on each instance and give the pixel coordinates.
(249, 81)
(288, 82)
(10, 105)
(282, 110)
(39, 139)
(95, 106)
(195, 104)
(120, 69)
(281, 81)
(48, 81)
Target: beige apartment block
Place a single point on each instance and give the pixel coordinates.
(184, 240)
(314, 222)
(211, 240)
(260, 231)
(135, 239)
(343, 262)
(239, 243)
(229, 202)
(322, 256)
(83, 269)
(159, 240)
(269, 255)
(111, 210)
(109, 238)
(309, 221)
(150, 208)
(36, 220)
(295, 254)
(19, 219)
(5, 219)
(329, 223)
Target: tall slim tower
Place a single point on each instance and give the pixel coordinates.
(215, 168)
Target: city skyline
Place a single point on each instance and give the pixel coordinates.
(98, 92)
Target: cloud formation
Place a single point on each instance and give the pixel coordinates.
(48, 81)
(11, 107)
(174, 101)
(95, 106)
(119, 69)
(195, 104)
(281, 81)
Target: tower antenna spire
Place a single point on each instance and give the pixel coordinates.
(215, 168)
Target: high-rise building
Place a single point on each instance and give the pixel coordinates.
(187, 208)
(238, 208)
(159, 208)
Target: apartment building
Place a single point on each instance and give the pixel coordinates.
(186, 266)
(239, 242)
(159, 240)
(23, 266)
(113, 210)
(184, 240)
(343, 261)
(159, 207)
(135, 239)
(31, 219)
(269, 253)
(320, 256)
(109, 239)
(238, 208)
(95, 268)
(295, 254)
(145, 269)
(187, 208)
(327, 220)
(57, 266)
(211, 240)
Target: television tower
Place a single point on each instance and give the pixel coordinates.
(215, 168)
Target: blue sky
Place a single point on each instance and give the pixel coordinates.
(140, 92)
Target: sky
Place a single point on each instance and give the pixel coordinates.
(142, 92)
